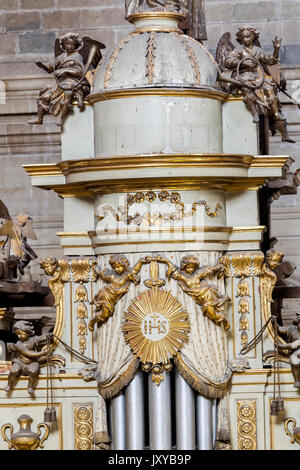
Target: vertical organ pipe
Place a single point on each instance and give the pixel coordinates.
(214, 418)
(135, 421)
(204, 423)
(185, 415)
(117, 420)
(160, 414)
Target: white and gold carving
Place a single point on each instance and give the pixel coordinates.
(246, 425)
(150, 58)
(83, 427)
(121, 214)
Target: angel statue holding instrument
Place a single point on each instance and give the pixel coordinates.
(74, 56)
(256, 74)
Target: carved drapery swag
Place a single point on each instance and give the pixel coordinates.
(202, 362)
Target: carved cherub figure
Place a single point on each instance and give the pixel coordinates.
(292, 335)
(134, 6)
(191, 278)
(118, 280)
(250, 71)
(69, 70)
(27, 357)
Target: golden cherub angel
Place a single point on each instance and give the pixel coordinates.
(192, 280)
(118, 279)
(74, 56)
(16, 251)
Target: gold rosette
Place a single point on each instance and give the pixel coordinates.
(156, 326)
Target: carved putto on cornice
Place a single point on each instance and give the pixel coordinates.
(138, 6)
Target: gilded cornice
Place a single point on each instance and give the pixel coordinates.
(169, 92)
(55, 173)
(155, 15)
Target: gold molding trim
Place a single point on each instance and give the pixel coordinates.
(246, 425)
(192, 160)
(234, 98)
(156, 29)
(154, 15)
(168, 92)
(83, 427)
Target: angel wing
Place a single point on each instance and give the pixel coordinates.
(84, 51)
(57, 48)
(224, 47)
(6, 222)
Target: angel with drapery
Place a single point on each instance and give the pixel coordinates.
(15, 248)
(118, 281)
(73, 58)
(192, 280)
(256, 74)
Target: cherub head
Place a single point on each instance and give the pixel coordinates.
(49, 265)
(70, 42)
(189, 264)
(119, 263)
(247, 35)
(273, 259)
(23, 329)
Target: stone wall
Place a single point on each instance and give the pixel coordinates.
(28, 29)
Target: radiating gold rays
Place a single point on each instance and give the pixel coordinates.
(164, 341)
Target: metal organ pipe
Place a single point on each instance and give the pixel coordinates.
(117, 422)
(204, 423)
(160, 414)
(135, 417)
(185, 415)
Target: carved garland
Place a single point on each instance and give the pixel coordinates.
(122, 213)
(150, 55)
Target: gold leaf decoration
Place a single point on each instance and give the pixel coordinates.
(82, 310)
(83, 427)
(246, 424)
(258, 261)
(82, 328)
(81, 294)
(243, 305)
(243, 288)
(156, 326)
(65, 275)
(80, 269)
(242, 265)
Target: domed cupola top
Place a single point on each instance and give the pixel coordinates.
(156, 54)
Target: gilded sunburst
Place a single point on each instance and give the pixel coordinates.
(156, 326)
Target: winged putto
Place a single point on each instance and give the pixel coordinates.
(74, 57)
(256, 75)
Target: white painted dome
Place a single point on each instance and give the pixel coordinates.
(156, 54)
